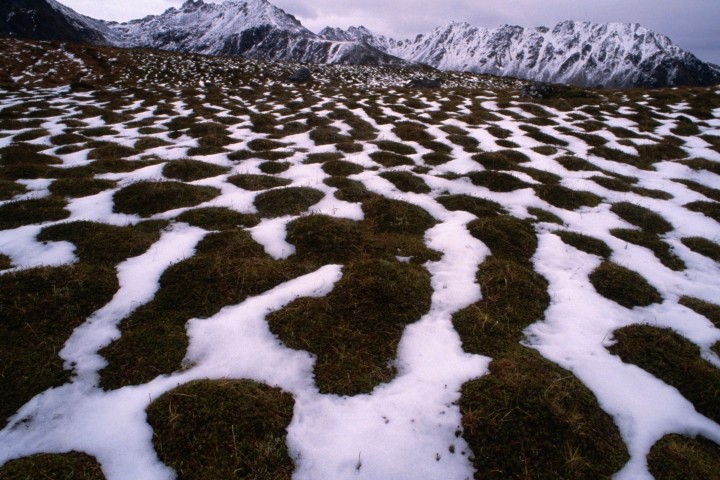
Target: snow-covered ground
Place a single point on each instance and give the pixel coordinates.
(401, 429)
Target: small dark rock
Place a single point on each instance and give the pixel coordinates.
(537, 91)
(301, 75)
(424, 82)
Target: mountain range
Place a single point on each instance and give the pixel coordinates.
(614, 55)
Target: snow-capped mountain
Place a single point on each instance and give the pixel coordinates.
(579, 53)
(251, 28)
(50, 20)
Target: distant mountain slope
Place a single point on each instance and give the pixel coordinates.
(251, 28)
(49, 20)
(580, 53)
(586, 54)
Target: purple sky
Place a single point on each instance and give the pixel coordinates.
(691, 24)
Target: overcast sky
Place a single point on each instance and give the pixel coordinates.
(692, 24)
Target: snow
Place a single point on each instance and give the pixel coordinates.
(403, 428)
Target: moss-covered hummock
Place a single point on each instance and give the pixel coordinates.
(674, 360)
(682, 458)
(223, 429)
(623, 286)
(148, 198)
(529, 418)
(57, 466)
(355, 330)
(287, 201)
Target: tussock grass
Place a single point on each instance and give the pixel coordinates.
(8, 189)
(480, 207)
(5, 262)
(406, 182)
(623, 286)
(396, 216)
(531, 419)
(341, 168)
(27, 212)
(497, 181)
(218, 218)
(223, 429)
(390, 160)
(24, 154)
(348, 190)
(227, 268)
(702, 164)
(355, 330)
(111, 151)
(703, 246)
(80, 187)
(189, 170)
(260, 144)
(682, 458)
(709, 192)
(545, 216)
(706, 309)
(567, 198)
(709, 209)
(148, 198)
(674, 360)
(653, 243)
(395, 147)
(585, 243)
(40, 308)
(273, 168)
(287, 201)
(412, 132)
(641, 217)
(323, 157)
(435, 158)
(58, 466)
(102, 244)
(146, 143)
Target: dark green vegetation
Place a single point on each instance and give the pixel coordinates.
(682, 458)
(148, 198)
(227, 268)
(585, 243)
(39, 309)
(189, 170)
(531, 419)
(706, 309)
(642, 217)
(354, 331)
(287, 201)
(223, 429)
(623, 286)
(526, 419)
(674, 360)
(652, 242)
(66, 466)
(27, 212)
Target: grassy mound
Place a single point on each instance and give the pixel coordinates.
(682, 458)
(217, 218)
(642, 217)
(531, 419)
(585, 243)
(190, 170)
(709, 209)
(223, 429)
(406, 182)
(623, 286)
(103, 244)
(706, 309)
(567, 198)
(348, 190)
(287, 201)
(28, 212)
(653, 243)
(480, 207)
(148, 198)
(226, 269)
(59, 466)
(39, 309)
(354, 331)
(497, 181)
(674, 360)
(395, 216)
(80, 187)
(256, 183)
